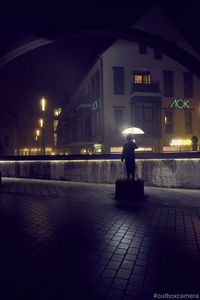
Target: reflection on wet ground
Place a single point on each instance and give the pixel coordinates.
(65, 241)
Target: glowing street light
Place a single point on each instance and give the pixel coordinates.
(42, 124)
(37, 132)
(43, 104)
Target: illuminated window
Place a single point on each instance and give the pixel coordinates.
(168, 119)
(181, 142)
(55, 124)
(116, 149)
(141, 78)
(138, 79)
(146, 79)
(83, 151)
(97, 148)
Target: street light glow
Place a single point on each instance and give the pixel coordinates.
(38, 132)
(41, 123)
(43, 104)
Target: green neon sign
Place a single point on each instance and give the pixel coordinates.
(95, 105)
(179, 103)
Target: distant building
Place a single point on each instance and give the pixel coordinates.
(31, 139)
(134, 85)
(56, 114)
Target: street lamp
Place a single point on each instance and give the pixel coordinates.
(42, 124)
(42, 136)
(37, 134)
(43, 104)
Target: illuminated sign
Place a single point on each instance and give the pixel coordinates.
(95, 105)
(181, 142)
(179, 103)
(98, 148)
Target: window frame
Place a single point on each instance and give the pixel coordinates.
(168, 86)
(188, 83)
(169, 123)
(117, 89)
(188, 124)
(144, 123)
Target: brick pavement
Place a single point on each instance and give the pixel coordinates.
(64, 240)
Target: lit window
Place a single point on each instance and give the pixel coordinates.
(142, 78)
(97, 148)
(138, 79)
(146, 79)
(116, 149)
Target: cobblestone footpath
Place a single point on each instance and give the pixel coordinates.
(64, 240)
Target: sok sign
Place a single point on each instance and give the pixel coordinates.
(179, 103)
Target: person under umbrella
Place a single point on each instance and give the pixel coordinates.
(128, 154)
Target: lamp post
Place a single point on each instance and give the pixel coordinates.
(37, 132)
(42, 125)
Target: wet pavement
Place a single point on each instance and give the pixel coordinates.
(65, 240)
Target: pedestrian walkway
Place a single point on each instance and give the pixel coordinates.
(65, 240)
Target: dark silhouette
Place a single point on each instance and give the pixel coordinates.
(129, 155)
(194, 143)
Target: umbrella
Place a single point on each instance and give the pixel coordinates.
(133, 130)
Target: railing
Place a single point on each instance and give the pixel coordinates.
(152, 155)
(153, 87)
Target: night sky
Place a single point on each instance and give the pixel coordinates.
(55, 70)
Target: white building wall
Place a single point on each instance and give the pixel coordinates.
(126, 54)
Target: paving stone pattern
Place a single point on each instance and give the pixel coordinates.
(64, 240)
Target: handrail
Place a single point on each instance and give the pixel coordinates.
(152, 155)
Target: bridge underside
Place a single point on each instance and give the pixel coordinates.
(168, 48)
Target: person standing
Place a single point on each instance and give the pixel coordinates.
(128, 154)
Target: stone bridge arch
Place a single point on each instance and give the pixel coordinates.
(133, 35)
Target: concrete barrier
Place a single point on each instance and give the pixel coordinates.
(177, 173)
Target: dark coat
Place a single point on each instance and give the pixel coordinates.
(129, 151)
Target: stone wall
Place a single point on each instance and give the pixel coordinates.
(180, 173)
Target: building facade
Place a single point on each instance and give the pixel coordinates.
(133, 85)
(33, 137)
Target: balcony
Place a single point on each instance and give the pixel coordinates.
(153, 87)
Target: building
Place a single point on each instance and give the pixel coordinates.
(56, 113)
(132, 84)
(33, 136)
